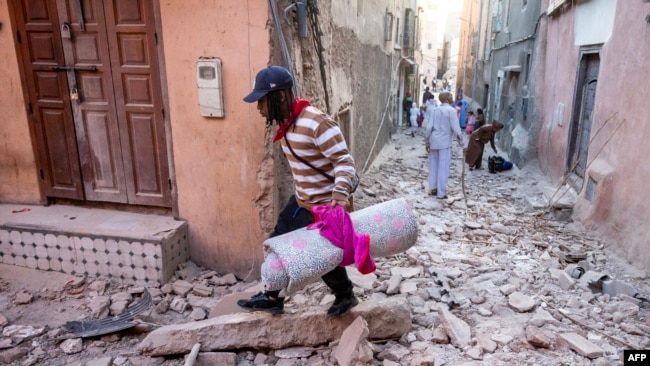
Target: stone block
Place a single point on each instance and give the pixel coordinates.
(390, 318)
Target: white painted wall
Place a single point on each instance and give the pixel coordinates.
(344, 14)
(594, 22)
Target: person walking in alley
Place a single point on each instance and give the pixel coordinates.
(430, 106)
(305, 130)
(406, 108)
(469, 127)
(413, 117)
(442, 127)
(421, 113)
(477, 141)
(427, 94)
(480, 119)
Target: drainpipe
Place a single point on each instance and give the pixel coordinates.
(302, 18)
(283, 43)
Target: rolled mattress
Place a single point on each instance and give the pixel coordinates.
(297, 258)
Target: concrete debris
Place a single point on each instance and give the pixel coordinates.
(218, 358)
(104, 361)
(227, 280)
(181, 288)
(487, 344)
(118, 307)
(179, 305)
(197, 314)
(188, 271)
(475, 353)
(565, 281)
(353, 345)
(98, 287)
(20, 333)
(581, 345)
(99, 306)
(537, 337)
(468, 293)
(406, 272)
(202, 290)
(14, 354)
(394, 352)
(70, 346)
(387, 319)
(459, 331)
(520, 302)
(501, 339)
(23, 298)
(294, 352)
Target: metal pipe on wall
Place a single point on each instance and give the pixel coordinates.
(302, 18)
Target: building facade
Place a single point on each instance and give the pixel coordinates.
(567, 79)
(136, 106)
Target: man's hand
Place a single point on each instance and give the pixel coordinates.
(495, 151)
(427, 148)
(345, 204)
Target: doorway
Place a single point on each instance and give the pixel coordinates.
(95, 98)
(580, 130)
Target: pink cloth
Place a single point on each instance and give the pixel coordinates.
(336, 226)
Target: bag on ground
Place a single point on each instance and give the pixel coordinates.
(495, 163)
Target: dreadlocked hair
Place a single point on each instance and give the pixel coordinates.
(274, 104)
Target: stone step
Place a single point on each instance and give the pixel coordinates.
(134, 248)
(389, 318)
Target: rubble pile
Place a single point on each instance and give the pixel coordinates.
(493, 280)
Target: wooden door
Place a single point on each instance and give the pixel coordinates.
(39, 40)
(109, 88)
(580, 130)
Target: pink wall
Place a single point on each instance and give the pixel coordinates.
(558, 79)
(217, 160)
(624, 90)
(223, 175)
(618, 160)
(18, 178)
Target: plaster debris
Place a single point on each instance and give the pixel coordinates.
(581, 345)
(491, 282)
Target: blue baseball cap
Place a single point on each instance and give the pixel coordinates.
(269, 79)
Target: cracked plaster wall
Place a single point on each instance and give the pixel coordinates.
(615, 209)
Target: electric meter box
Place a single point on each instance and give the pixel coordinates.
(208, 74)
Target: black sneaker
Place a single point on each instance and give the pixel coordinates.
(342, 305)
(262, 302)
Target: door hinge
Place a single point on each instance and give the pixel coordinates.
(170, 184)
(42, 174)
(18, 37)
(31, 110)
(163, 112)
(155, 37)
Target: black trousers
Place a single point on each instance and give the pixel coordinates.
(294, 217)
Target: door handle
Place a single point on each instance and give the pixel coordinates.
(91, 68)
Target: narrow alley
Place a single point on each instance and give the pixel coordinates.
(496, 278)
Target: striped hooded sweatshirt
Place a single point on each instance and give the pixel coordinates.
(317, 139)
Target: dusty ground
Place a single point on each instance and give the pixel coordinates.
(473, 256)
